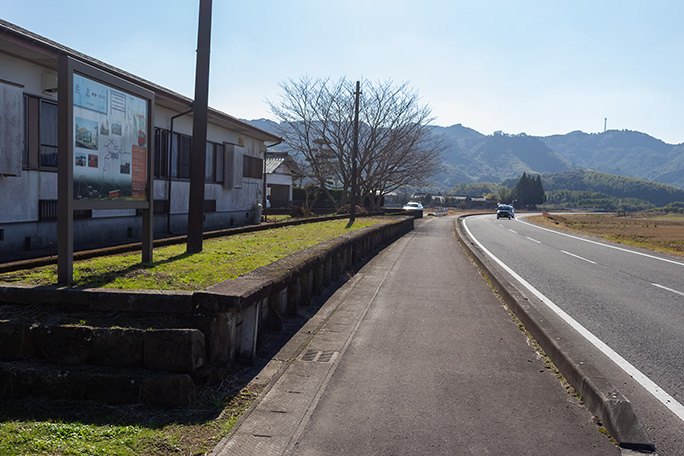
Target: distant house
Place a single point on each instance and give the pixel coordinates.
(28, 154)
(473, 202)
(391, 199)
(281, 171)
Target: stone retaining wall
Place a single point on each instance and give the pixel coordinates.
(210, 327)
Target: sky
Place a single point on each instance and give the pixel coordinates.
(539, 67)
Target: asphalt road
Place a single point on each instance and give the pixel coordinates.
(415, 355)
(630, 299)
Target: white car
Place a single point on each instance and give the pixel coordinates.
(504, 210)
(413, 206)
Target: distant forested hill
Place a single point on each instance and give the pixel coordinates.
(612, 185)
(471, 157)
(628, 153)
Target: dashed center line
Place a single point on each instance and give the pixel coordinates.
(579, 257)
(512, 231)
(668, 289)
(533, 240)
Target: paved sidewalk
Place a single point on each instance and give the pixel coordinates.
(414, 355)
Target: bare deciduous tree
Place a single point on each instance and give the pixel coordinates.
(396, 148)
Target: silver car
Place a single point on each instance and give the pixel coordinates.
(504, 210)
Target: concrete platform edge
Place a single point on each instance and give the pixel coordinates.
(600, 397)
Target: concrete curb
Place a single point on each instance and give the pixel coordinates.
(600, 397)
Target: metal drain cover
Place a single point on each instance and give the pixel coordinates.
(319, 356)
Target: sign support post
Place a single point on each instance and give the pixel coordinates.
(105, 154)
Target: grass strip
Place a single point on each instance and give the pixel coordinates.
(173, 269)
(132, 431)
(39, 427)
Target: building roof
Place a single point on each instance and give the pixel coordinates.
(275, 159)
(41, 51)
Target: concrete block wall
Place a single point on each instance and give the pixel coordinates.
(222, 322)
(169, 349)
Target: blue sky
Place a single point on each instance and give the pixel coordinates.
(538, 67)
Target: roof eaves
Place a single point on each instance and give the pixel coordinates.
(53, 49)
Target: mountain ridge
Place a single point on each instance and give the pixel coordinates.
(470, 156)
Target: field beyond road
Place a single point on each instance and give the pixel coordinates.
(661, 233)
(221, 259)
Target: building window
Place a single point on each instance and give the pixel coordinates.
(181, 151)
(48, 134)
(174, 155)
(252, 167)
(184, 159)
(161, 152)
(209, 170)
(220, 154)
(25, 150)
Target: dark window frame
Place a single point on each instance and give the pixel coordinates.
(184, 153)
(25, 139)
(47, 135)
(161, 153)
(210, 162)
(220, 163)
(180, 152)
(32, 134)
(252, 167)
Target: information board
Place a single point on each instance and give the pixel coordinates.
(105, 139)
(110, 142)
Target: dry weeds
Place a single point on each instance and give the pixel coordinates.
(662, 233)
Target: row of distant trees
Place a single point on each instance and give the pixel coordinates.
(527, 193)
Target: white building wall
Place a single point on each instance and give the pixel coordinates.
(19, 196)
(30, 76)
(279, 179)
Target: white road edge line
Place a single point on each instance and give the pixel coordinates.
(650, 386)
(602, 244)
(579, 257)
(668, 289)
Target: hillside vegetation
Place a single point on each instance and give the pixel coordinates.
(611, 185)
(472, 157)
(564, 161)
(591, 189)
(628, 153)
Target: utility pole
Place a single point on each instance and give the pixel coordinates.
(605, 123)
(198, 158)
(355, 152)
